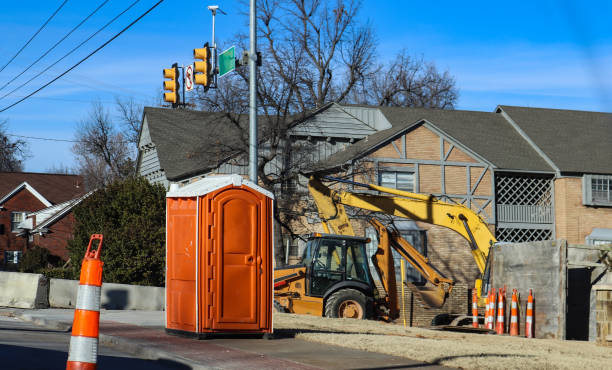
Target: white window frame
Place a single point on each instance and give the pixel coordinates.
(383, 170)
(14, 224)
(587, 190)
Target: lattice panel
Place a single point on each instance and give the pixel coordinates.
(523, 190)
(523, 235)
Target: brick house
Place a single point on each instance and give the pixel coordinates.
(25, 193)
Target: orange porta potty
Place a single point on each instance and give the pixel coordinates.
(514, 326)
(474, 310)
(219, 257)
(529, 316)
(500, 325)
(83, 352)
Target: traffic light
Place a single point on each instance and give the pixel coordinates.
(172, 85)
(205, 77)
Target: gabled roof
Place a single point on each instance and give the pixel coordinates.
(192, 142)
(575, 141)
(28, 187)
(55, 188)
(489, 135)
(182, 138)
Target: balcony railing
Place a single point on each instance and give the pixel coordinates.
(525, 214)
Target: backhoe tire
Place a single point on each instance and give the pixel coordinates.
(347, 303)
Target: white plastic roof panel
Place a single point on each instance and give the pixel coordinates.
(212, 183)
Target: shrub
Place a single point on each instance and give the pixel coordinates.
(131, 216)
(59, 273)
(34, 260)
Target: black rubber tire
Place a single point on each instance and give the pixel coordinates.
(337, 298)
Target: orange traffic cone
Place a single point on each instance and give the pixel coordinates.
(514, 326)
(83, 351)
(499, 327)
(490, 310)
(486, 312)
(529, 316)
(474, 310)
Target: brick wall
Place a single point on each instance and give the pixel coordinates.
(23, 201)
(573, 220)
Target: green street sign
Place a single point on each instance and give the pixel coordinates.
(227, 62)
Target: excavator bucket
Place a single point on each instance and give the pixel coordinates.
(430, 297)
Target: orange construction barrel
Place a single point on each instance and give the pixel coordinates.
(219, 250)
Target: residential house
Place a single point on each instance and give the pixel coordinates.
(531, 173)
(24, 193)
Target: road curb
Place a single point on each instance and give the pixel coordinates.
(125, 345)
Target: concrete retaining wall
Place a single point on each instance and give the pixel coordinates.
(540, 266)
(62, 293)
(23, 290)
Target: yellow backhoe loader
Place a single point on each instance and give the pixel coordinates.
(333, 278)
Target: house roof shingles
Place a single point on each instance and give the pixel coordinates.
(56, 188)
(481, 132)
(575, 141)
(190, 142)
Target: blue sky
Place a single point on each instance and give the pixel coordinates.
(554, 54)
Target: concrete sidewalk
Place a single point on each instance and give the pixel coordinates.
(142, 333)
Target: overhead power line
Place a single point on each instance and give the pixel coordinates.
(60, 140)
(56, 44)
(84, 59)
(44, 138)
(34, 35)
(70, 52)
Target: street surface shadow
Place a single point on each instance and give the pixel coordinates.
(16, 357)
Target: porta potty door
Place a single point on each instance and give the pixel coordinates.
(239, 245)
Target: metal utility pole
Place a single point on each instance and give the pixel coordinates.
(252, 95)
(214, 9)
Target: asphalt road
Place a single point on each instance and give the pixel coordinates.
(27, 346)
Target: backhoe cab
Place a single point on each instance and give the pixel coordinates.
(332, 279)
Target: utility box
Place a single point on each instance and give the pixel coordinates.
(219, 250)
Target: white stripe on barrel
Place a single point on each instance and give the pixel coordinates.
(513, 319)
(88, 298)
(83, 349)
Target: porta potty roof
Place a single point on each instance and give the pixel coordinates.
(210, 184)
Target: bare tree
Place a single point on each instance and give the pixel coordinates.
(130, 118)
(410, 82)
(313, 52)
(102, 151)
(12, 152)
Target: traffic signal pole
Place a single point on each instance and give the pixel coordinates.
(252, 94)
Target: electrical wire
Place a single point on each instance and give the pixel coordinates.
(84, 59)
(45, 138)
(70, 52)
(36, 33)
(56, 44)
